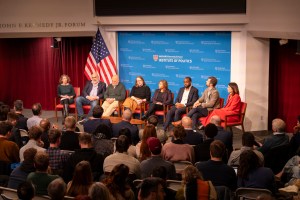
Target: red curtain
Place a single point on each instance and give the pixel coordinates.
(30, 68)
(284, 88)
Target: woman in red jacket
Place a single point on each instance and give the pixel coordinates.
(233, 105)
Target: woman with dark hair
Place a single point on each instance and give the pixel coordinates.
(142, 149)
(101, 139)
(161, 97)
(139, 93)
(82, 180)
(66, 93)
(252, 174)
(117, 185)
(233, 105)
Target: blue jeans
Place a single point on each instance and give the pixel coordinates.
(83, 101)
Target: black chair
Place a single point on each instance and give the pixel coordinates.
(277, 157)
(250, 193)
(224, 193)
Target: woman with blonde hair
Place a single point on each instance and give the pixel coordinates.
(139, 93)
(82, 180)
(161, 97)
(66, 93)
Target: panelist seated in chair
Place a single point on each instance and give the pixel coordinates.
(139, 93)
(93, 91)
(187, 96)
(233, 105)
(161, 97)
(114, 93)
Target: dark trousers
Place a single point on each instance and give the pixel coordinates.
(174, 113)
(195, 113)
(152, 108)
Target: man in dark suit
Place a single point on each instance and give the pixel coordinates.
(22, 121)
(187, 96)
(125, 123)
(91, 94)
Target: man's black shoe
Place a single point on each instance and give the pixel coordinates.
(143, 118)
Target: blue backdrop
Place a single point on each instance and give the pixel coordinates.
(173, 56)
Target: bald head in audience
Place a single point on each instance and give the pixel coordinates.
(187, 122)
(127, 114)
(278, 125)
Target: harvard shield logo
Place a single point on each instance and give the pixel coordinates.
(155, 57)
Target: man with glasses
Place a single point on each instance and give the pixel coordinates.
(93, 91)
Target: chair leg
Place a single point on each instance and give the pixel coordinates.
(231, 129)
(243, 128)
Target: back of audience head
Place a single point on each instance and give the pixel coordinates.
(36, 109)
(122, 144)
(187, 122)
(127, 115)
(151, 188)
(126, 131)
(149, 131)
(54, 136)
(82, 173)
(248, 161)
(29, 155)
(102, 132)
(216, 120)
(119, 174)
(210, 130)
(41, 161)
(82, 197)
(4, 109)
(25, 191)
(18, 105)
(85, 139)
(191, 173)
(278, 125)
(160, 172)
(35, 133)
(154, 145)
(5, 127)
(45, 124)
(153, 119)
(12, 117)
(70, 123)
(248, 139)
(217, 149)
(57, 189)
(179, 132)
(99, 191)
(97, 111)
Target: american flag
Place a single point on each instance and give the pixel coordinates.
(100, 61)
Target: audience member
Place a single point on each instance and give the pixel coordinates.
(225, 136)
(161, 134)
(57, 158)
(161, 97)
(34, 135)
(252, 174)
(140, 93)
(20, 173)
(121, 157)
(92, 93)
(277, 138)
(99, 191)
(4, 110)
(57, 189)
(92, 123)
(208, 101)
(25, 191)
(248, 142)
(126, 117)
(82, 197)
(15, 132)
(195, 186)
(8, 149)
(132, 149)
(69, 139)
(87, 153)
(45, 125)
(66, 93)
(82, 180)
(186, 97)
(40, 178)
(202, 152)
(295, 140)
(35, 119)
(114, 93)
(117, 184)
(152, 188)
(215, 170)
(192, 136)
(142, 149)
(156, 160)
(22, 120)
(233, 105)
(177, 150)
(101, 139)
